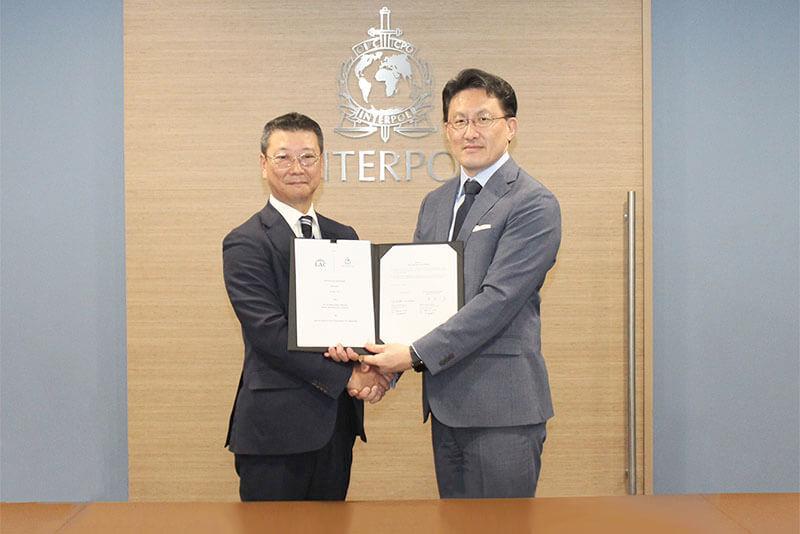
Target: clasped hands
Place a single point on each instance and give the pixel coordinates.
(370, 380)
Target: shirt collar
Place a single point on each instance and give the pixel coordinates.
(483, 176)
(292, 216)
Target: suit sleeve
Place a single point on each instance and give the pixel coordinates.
(250, 282)
(525, 251)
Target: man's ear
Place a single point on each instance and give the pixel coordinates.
(511, 128)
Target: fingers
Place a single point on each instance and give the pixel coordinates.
(370, 394)
(377, 394)
(381, 381)
(373, 360)
(375, 349)
(362, 394)
(367, 383)
(336, 353)
(339, 354)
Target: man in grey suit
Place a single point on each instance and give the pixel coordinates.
(484, 378)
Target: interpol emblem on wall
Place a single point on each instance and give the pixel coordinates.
(384, 86)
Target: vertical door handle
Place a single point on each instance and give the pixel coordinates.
(630, 217)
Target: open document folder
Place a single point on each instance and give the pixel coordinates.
(353, 292)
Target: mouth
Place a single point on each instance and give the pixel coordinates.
(472, 148)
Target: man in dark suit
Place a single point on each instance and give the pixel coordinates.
(296, 414)
(484, 378)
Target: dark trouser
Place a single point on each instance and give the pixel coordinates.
(487, 462)
(321, 475)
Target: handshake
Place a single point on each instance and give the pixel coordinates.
(371, 379)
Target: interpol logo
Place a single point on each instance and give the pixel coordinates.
(384, 86)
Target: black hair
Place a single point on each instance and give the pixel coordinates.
(291, 122)
(477, 79)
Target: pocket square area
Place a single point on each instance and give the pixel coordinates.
(480, 227)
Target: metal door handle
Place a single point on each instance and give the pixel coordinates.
(630, 216)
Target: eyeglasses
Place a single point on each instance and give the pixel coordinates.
(285, 161)
(481, 122)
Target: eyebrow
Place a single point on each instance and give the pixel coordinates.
(482, 110)
(283, 148)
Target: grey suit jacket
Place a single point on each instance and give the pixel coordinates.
(485, 365)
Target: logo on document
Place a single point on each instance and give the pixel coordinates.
(385, 87)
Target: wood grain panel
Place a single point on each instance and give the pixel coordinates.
(201, 78)
(655, 515)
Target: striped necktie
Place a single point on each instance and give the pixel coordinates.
(305, 226)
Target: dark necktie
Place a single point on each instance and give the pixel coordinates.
(471, 189)
(305, 226)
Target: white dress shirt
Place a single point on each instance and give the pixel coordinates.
(292, 217)
(482, 177)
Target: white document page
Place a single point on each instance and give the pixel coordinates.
(419, 290)
(334, 301)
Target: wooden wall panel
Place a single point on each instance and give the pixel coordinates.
(201, 78)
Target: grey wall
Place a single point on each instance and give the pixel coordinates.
(725, 255)
(725, 249)
(63, 429)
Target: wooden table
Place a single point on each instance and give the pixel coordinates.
(645, 514)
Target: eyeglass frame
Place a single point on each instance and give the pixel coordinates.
(475, 124)
(293, 159)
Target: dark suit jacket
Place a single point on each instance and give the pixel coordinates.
(287, 401)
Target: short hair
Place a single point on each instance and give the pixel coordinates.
(477, 79)
(291, 122)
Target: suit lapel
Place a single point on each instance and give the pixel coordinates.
(279, 232)
(282, 235)
(444, 211)
(327, 229)
(497, 186)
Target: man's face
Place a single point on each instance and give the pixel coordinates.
(296, 184)
(477, 148)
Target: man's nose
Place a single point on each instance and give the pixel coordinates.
(471, 131)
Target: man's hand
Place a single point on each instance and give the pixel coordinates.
(341, 354)
(367, 383)
(391, 358)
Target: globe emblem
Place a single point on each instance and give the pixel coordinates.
(384, 87)
(389, 70)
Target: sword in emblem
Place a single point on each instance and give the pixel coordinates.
(385, 31)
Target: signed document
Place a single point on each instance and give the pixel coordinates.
(333, 293)
(419, 290)
(354, 292)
